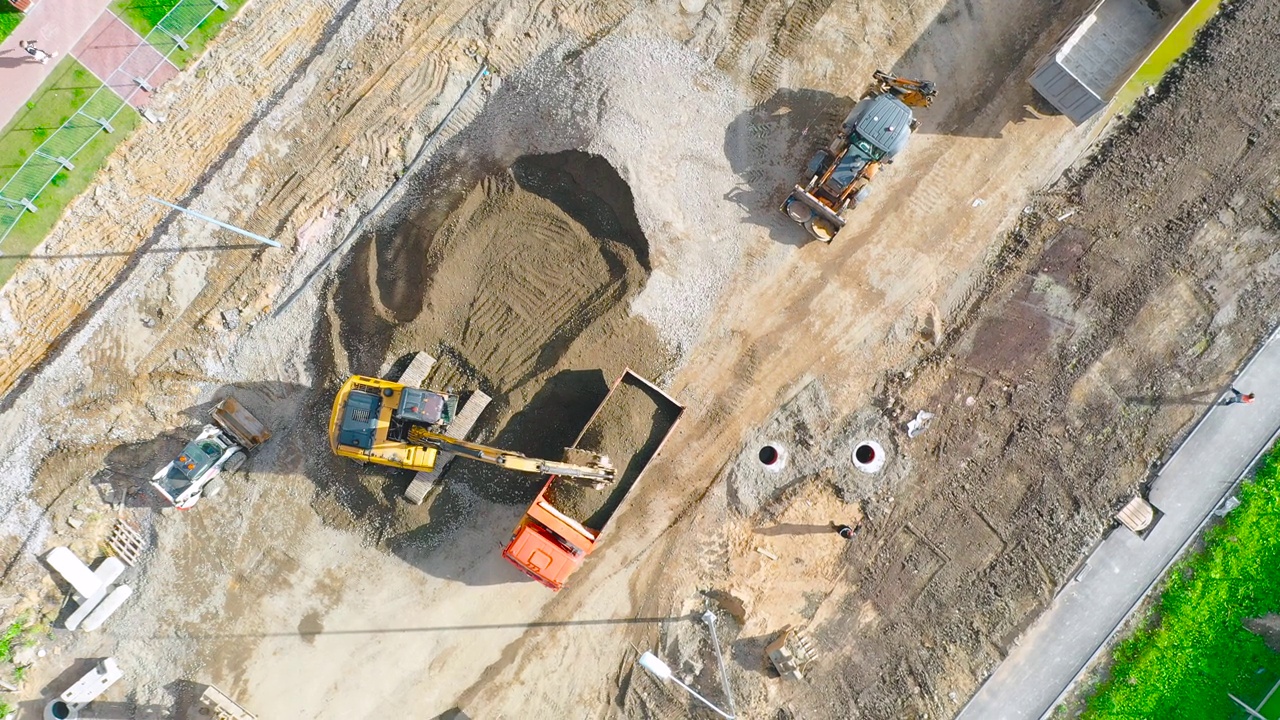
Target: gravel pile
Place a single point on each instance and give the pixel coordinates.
(658, 113)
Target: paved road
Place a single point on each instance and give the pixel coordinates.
(56, 26)
(1052, 653)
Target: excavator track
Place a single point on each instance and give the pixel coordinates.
(461, 426)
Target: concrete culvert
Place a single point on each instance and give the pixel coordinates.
(868, 456)
(772, 456)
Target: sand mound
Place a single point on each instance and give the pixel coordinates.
(522, 288)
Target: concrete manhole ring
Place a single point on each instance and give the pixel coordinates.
(772, 456)
(868, 456)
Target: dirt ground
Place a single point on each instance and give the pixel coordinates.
(608, 198)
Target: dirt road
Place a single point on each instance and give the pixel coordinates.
(310, 590)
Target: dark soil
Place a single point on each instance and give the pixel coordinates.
(1093, 344)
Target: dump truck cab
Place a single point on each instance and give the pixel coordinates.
(541, 555)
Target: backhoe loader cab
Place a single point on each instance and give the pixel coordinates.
(872, 134)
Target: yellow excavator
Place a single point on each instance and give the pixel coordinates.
(839, 175)
(386, 422)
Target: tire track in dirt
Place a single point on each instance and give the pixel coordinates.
(1070, 417)
(765, 35)
(95, 280)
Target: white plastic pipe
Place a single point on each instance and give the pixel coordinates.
(660, 670)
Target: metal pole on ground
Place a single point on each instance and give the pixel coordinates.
(219, 223)
(660, 670)
(710, 619)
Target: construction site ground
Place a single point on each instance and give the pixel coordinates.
(608, 198)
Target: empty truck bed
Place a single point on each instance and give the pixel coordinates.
(629, 427)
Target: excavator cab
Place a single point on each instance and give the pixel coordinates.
(423, 408)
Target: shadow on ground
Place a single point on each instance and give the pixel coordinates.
(185, 694)
(768, 147)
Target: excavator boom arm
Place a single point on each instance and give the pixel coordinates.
(508, 458)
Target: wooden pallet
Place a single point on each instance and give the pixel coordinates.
(125, 542)
(216, 704)
(459, 429)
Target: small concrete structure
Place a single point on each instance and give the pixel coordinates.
(773, 456)
(84, 583)
(68, 705)
(91, 589)
(107, 607)
(1139, 516)
(868, 456)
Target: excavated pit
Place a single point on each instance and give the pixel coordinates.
(522, 289)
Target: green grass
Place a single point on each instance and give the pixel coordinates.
(69, 87)
(1196, 650)
(1175, 44)
(144, 15)
(9, 19)
(9, 639)
(1272, 708)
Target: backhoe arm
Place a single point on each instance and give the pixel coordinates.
(599, 471)
(916, 93)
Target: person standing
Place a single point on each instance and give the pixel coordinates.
(30, 47)
(1237, 397)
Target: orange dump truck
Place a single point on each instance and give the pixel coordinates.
(565, 521)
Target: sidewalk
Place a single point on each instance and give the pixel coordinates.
(1053, 651)
(120, 58)
(56, 26)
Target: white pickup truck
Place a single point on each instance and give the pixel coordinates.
(220, 447)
